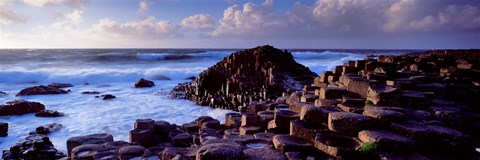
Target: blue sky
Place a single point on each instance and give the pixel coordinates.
(402, 24)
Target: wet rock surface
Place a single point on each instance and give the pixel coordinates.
(142, 83)
(49, 113)
(33, 147)
(40, 90)
(20, 107)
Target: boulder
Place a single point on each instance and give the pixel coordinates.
(250, 119)
(384, 117)
(146, 124)
(170, 152)
(381, 94)
(33, 147)
(60, 85)
(387, 141)
(282, 120)
(305, 130)
(315, 115)
(326, 102)
(49, 113)
(86, 151)
(141, 83)
(233, 120)
(131, 152)
(3, 129)
(348, 123)
(358, 85)
(332, 92)
(244, 130)
(89, 139)
(287, 143)
(337, 145)
(182, 140)
(106, 96)
(20, 107)
(90, 92)
(264, 154)
(46, 129)
(264, 136)
(225, 151)
(264, 117)
(39, 90)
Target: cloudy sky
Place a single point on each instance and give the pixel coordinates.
(402, 24)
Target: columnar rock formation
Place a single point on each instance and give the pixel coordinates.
(251, 75)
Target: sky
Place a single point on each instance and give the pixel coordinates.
(343, 24)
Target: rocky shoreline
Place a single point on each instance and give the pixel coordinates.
(414, 106)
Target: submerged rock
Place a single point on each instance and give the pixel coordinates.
(49, 113)
(255, 74)
(46, 129)
(60, 85)
(39, 90)
(20, 107)
(3, 129)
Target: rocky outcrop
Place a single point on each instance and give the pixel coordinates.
(33, 147)
(142, 83)
(39, 90)
(254, 74)
(46, 129)
(3, 129)
(20, 107)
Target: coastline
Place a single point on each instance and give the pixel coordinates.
(341, 92)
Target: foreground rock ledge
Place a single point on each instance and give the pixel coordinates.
(254, 74)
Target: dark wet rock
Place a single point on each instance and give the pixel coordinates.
(39, 90)
(90, 92)
(3, 93)
(182, 140)
(264, 71)
(60, 85)
(88, 139)
(86, 151)
(143, 83)
(49, 113)
(226, 151)
(142, 137)
(191, 78)
(106, 96)
(20, 107)
(131, 152)
(3, 129)
(287, 143)
(46, 129)
(264, 154)
(161, 77)
(33, 147)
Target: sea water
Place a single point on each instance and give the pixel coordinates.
(114, 71)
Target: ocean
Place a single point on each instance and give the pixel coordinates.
(114, 71)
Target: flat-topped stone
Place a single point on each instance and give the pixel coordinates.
(305, 130)
(315, 115)
(336, 145)
(264, 153)
(287, 143)
(381, 94)
(348, 123)
(387, 141)
(384, 116)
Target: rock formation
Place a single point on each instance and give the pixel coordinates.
(20, 107)
(256, 74)
(38, 90)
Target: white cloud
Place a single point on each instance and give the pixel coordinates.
(199, 22)
(250, 19)
(143, 6)
(8, 16)
(148, 28)
(427, 16)
(75, 4)
(70, 21)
